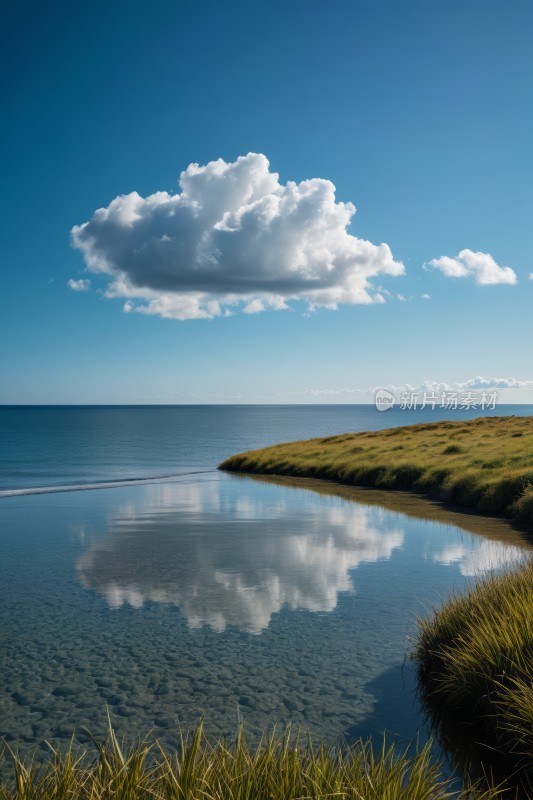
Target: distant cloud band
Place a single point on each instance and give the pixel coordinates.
(473, 384)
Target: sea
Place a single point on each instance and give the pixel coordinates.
(141, 584)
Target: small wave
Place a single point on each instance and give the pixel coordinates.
(106, 484)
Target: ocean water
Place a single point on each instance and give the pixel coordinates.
(208, 594)
(50, 446)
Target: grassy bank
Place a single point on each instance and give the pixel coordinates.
(475, 665)
(281, 768)
(485, 464)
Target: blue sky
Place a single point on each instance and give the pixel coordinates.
(419, 113)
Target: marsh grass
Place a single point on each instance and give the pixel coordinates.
(475, 670)
(485, 464)
(281, 767)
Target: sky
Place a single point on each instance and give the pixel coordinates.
(265, 202)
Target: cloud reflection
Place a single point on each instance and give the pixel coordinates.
(479, 555)
(234, 559)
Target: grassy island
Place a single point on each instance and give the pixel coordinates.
(485, 464)
(475, 666)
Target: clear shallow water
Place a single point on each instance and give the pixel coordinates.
(210, 593)
(221, 596)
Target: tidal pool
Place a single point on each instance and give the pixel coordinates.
(226, 597)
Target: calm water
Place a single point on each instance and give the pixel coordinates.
(72, 445)
(209, 593)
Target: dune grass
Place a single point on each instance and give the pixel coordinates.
(280, 768)
(485, 464)
(475, 668)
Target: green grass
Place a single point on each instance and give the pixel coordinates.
(485, 464)
(475, 667)
(280, 768)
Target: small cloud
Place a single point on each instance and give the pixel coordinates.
(255, 306)
(530, 276)
(468, 263)
(81, 285)
(426, 296)
(400, 297)
(233, 238)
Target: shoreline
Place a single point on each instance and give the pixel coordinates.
(405, 501)
(482, 466)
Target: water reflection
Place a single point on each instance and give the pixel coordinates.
(235, 558)
(480, 556)
(237, 567)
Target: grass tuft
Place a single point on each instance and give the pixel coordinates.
(475, 670)
(452, 450)
(281, 767)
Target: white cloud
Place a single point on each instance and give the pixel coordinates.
(473, 384)
(429, 386)
(530, 276)
(480, 266)
(81, 285)
(477, 383)
(255, 306)
(426, 296)
(233, 237)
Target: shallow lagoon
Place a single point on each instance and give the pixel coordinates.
(224, 596)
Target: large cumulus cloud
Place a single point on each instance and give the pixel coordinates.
(233, 237)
